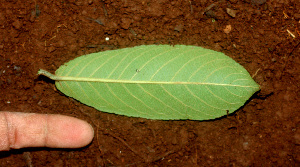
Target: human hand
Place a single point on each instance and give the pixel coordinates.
(18, 130)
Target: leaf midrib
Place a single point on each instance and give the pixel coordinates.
(102, 80)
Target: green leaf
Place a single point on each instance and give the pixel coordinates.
(157, 82)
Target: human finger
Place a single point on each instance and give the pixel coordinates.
(18, 130)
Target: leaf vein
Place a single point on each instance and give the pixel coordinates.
(188, 116)
(140, 48)
(154, 57)
(184, 66)
(86, 65)
(218, 96)
(192, 93)
(159, 100)
(202, 67)
(112, 92)
(128, 91)
(166, 64)
(98, 94)
(75, 65)
(102, 65)
(85, 94)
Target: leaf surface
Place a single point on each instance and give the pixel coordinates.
(157, 82)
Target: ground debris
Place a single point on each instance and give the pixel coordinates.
(231, 12)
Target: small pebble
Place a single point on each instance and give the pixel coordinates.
(51, 49)
(125, 23)
(17, 68)
(17, 24)
(246, 145)
(231, 12)
(178, 28)
(227, 29)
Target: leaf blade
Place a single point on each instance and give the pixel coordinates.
(158, 82)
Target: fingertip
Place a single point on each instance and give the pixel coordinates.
(84, 135)
(68, 132)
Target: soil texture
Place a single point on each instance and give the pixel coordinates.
(262, 35)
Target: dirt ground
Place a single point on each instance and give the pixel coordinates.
(262, 35)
